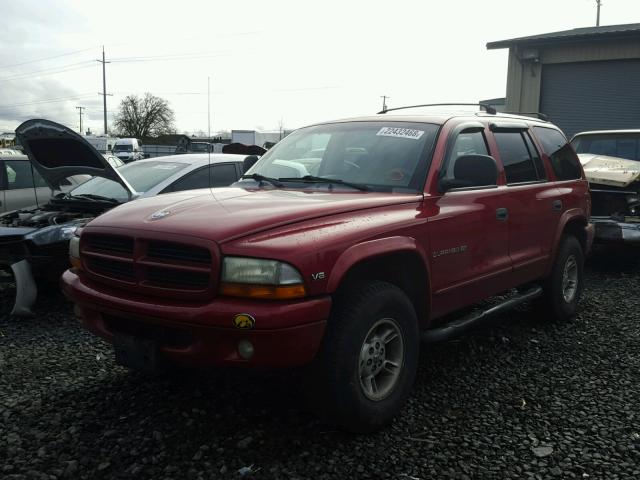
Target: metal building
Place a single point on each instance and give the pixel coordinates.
(583, 79)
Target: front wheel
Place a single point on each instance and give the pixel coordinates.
(369, 357)
(563, 288)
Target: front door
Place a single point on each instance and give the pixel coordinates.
(468, 234)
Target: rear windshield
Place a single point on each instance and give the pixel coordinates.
(141, 176)
(383, 156)
(621, 145)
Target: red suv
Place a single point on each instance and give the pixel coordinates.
(344, 246)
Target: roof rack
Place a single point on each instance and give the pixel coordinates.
(541, 116)
(488, 108)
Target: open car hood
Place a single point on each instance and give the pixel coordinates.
(605, 170)
(58, 152)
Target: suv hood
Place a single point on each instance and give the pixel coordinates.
(605, 170)
(58, 152)
(224, 214)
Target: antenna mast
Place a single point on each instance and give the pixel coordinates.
(599, 2)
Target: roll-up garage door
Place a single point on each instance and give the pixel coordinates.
(592, 95)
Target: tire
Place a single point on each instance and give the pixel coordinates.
(563, 287)
(339, 378)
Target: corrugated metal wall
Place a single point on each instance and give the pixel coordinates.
(592, 95)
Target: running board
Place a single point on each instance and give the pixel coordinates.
(461, 325)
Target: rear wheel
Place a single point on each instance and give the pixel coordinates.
(563, 288)
(368, 361)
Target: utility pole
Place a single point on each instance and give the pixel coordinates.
(104, 88)
(384, 102)
(209, 108)
(80, 109)
(599, 2)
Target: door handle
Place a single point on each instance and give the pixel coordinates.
(502, 214)
(556, 205)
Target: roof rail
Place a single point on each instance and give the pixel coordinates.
(488, 108)
(541, 116)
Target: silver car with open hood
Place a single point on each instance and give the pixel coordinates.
(34, 240)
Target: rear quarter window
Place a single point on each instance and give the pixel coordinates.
(564, 160)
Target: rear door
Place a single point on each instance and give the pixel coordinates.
(533, 203)
(468, 236)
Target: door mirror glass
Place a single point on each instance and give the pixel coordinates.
(249, 162)
(472, 171)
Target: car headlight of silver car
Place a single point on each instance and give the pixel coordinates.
(260, 278)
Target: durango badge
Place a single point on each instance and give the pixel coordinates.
(244, 321)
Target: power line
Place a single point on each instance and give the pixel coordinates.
(48, 71)
(48, 100)
(177, 56)
(47, 58)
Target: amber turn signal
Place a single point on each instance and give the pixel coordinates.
(263, 292)
(75, 263)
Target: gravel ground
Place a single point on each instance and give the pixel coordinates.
(521, 398)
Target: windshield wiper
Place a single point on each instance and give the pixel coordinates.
(91, 196)
(261, 178)
(337, 181)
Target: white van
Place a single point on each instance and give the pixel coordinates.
(128, 149)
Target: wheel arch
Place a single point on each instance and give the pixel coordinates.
(397, 260)
(573, 222)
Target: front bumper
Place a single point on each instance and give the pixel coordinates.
(286, 334)
(611, 231)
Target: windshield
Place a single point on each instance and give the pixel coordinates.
(384, 156)
(123, 148)
(621, 145)
(141, 176)
(199, 147)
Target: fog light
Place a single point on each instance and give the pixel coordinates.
(245, 349)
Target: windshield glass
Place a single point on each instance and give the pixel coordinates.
(385, 156)
(621, 145)
(123, 148)
(141, 176)
(199, 147)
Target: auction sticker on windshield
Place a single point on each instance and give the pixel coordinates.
(400, 132)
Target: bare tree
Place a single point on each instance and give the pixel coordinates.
(142, 117)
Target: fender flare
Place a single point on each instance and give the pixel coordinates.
(374, 248)
(567, 216)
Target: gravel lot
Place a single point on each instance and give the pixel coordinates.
(521, 398)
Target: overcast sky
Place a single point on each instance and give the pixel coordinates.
(295, 62)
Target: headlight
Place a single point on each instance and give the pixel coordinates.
(74, 250)
(259, 278)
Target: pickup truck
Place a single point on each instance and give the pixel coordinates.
(345, 248)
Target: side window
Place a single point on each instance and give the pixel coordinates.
(537, 161)
(192, 181)
(517, 162)
(40, 182)
(18, 174)
(564, 161)
(223, 175)
(466, 143)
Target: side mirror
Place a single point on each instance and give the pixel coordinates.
(472, 171)
(249, 162)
